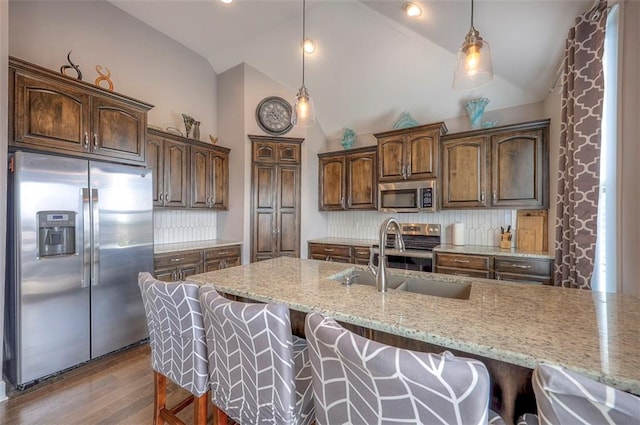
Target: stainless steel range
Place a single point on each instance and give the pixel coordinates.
(419, 241)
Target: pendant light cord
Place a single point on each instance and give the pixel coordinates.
(303, 37)
(471, 16)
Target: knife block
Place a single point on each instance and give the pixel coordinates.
(505, 240)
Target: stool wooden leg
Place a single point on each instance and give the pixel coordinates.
(159, 397)
(219, 417)
(200, 409)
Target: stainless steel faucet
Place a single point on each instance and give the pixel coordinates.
(380, 272)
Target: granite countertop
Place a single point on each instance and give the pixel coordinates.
(190, 246)
(596, 334)
(345, 241)
(492, 250)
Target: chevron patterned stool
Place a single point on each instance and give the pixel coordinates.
(565, 397)
(360, 381)
(178, 347)
(259, 372)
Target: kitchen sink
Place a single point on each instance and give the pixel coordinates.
(438, 288)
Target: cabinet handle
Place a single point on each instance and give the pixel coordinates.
(181, 274)
(166, 196)
(482, 196)
(95, 140)
(223, 253)
(349, 201)
(224, 264)
(327, 258)
(176, 260)
(161, 197)
(495, 197)
(174, 275)
(461, 274)
(521, 266)
(461, 261)
(404, 172)
(328, 250)
(86, 140)
(408, 171)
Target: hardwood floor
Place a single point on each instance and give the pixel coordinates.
(116, 389)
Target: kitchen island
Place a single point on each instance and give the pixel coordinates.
(513, 326)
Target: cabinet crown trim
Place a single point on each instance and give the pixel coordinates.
(488, 131)
(434, 126)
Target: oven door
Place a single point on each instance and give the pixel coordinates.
(420, 264)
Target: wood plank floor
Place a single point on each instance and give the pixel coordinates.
(115, 389)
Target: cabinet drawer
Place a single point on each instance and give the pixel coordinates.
(330, 250)
(222, 252)
(526, 266)
(478, 262)
(524, 278)
(361, 252)
(485, 274)
(176, 259)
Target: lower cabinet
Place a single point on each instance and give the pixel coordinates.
(511, 268)
(175, 266)
(339, 253)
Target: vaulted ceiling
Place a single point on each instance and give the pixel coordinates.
(373, 62)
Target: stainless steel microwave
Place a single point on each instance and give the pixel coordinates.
(411, 196)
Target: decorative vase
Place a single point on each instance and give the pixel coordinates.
(196, 130)
(188, 123)
(475, 109)
(348, 137)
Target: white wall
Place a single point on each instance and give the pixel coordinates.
(144, 63)
(4, 78)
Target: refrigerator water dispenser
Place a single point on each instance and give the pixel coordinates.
(56, 233)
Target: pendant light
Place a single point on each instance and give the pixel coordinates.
(304, 113)
(474, 68)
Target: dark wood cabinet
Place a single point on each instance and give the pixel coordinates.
(347, 180)
(338, 253)
(410, 153)
(209, 178)
(464, 265)
(275, 198)
(187, 173)
(221, 258)
(175, 266)
(54, 113)
(503, 167)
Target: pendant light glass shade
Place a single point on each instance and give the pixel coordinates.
(474, 67)
(304, 112)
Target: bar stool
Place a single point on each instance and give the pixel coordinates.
(178, 347)
(259, 372)
(360, 381)
(565, 397)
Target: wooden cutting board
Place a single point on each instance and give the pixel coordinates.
(531, 230)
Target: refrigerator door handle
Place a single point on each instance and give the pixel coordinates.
(86, 239)
(95, 221)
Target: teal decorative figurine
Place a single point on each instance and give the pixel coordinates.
(475, 110)
(348, 137)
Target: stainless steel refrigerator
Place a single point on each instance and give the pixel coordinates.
(78, 233)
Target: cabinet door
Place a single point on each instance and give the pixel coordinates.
(288, 211)
(50, 115)
(331, 178)
(201, 178)
(264, 212)
(264, 151)
(288, 153)
(155, 161)
(220, 186)
(166, 275)
(118, 130)
(189, 270)
(176, 183)
(391, 158)
(517, 161)
(361, 187)
(422, 156)
(464, 169)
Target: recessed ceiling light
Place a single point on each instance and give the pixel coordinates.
(308, 46)
(226, 1)
(412, 9)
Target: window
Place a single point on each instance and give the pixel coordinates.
(605, 271)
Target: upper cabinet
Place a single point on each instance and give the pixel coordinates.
(502, 167)
(55, 113)
(347, 180)
(187, 173)
(410, 153)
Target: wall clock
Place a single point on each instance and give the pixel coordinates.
(274, 115)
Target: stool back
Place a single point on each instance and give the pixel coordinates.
(565, 397)
(176, 332)
(360, 381)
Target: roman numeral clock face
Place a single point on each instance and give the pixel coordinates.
(274, 115)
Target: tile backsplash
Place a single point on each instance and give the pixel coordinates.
(482, 227)
(173, 226)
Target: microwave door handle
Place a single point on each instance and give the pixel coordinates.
(95, 263)
(86, 239)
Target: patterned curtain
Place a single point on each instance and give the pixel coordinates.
(579, 165)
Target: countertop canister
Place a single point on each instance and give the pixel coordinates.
(457, 233)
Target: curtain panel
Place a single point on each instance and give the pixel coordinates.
(579, 163)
